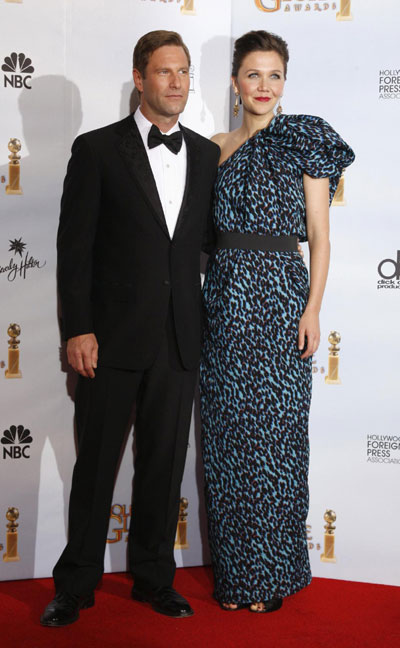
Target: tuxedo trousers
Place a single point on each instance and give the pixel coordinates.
(163, 396)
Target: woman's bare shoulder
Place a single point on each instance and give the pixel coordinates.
(220, 139)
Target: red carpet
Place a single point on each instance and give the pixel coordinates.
(329, 613)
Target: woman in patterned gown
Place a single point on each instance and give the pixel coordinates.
(277, 176)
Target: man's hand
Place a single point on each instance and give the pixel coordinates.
(82, 352)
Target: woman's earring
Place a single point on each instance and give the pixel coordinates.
(279, 108)
(236, 105)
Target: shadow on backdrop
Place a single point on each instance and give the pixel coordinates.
(51, 117)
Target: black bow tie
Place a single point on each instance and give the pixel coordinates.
(173, 142)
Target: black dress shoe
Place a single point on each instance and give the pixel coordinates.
(64, 609)
(164, 600)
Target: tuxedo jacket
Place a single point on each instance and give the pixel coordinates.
(118, 268)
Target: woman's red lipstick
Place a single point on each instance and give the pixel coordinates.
(263, 99)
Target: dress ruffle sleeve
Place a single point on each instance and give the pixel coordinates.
(319, 150)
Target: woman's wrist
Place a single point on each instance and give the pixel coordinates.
(312, 309)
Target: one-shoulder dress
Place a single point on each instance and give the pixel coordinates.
(255, 389)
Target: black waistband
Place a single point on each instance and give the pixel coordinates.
(265, 242)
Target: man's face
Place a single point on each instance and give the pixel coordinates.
(165, 86)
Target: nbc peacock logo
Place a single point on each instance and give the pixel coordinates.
(16, 441)
(18, 69)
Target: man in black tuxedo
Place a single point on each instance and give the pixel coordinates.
(134, 217)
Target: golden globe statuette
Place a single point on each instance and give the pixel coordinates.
(13, 188)
(338, 198)
(13, 371)
(329, 537)
(188, 8)
(344, 12)
(333, 359)
(11, 554)
(181, 531)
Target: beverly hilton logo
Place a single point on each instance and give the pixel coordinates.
(270, 6)
(389, 272)
(17, 63)
(16, 442)
(19, 267)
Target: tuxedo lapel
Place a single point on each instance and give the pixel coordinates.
(193, 160)
(132, 150)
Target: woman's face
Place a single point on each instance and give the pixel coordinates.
(260, 82)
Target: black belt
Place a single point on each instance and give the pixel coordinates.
(265, 242)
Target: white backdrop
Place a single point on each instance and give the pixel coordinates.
(346, 71)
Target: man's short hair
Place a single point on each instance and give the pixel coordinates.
(150, 42)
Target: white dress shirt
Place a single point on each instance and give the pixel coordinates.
(169, 171)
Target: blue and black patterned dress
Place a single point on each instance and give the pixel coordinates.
(255, 389)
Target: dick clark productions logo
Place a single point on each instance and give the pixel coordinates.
(18, 69)
(389, 271)
(16, 441)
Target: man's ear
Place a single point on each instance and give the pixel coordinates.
(138, 79)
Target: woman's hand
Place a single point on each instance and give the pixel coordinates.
(309, 329)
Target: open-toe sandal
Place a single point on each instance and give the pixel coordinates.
(272, 605)
(239, 606)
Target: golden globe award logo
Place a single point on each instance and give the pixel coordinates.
(13, 370)
(344, 12)
(15, 1)
(270, 6)
(339, 199)
(264, 5)
(329, 537)
(14, 166)
(333, 359)
(121, 515)
(11, 554)
(311, 542)
(181, 530)
(188, 8)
